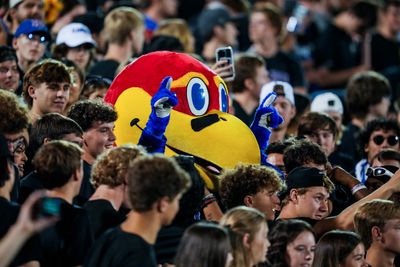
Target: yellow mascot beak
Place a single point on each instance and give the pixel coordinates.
(215, 139)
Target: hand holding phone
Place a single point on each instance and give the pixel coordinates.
(225, 64)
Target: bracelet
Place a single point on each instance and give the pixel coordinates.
(357, 187)
(207, 200)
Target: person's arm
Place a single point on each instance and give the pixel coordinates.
(344, 220)
(22, 230)
(341, 176)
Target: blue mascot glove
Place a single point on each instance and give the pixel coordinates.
(265, 119)
(161, 105)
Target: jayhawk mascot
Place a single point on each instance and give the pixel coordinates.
(173, 102)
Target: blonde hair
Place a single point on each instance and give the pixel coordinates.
(179, 29)
(242, 220)
(119, 23)
(374, 213)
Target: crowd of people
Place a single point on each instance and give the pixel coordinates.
(327, 195)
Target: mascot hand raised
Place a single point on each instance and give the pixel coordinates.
(161, 105)
(265, 119)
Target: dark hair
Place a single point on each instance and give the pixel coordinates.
(191, 200)
(314, 121)
(87, 112)
(376, 125)
(47, 71)
(53, 126)
(367, 12)
(163, 43)
(151, 178)
(245, 68)
(389, 3)
(282, 234)
(93, 83)
(279, 147)
(303, 152)
(388, 154)
(366, 89)
(205, 242)
(7, 53)
(5, 160)
(333, 248)
(55, 163)
(246, 180)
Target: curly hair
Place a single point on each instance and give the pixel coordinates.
(87, 112)
(303, 152)
(110, 167)
(153, 177)
(282, 234)
(14, 116)
(247, 180)
(47, 71)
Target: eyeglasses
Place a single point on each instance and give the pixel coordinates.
(37, 37)
(392, 139)
(378, 171)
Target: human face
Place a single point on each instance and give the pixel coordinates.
(52, 97)
(259, 245)
(300, 252)
(231, 34)
(80, 55)
(169, 7)
(30, 9)
(75, 89)
(29, 50)
(17, 144)
(260, 28)
(356, 258)
(391, 236)
(372, 148)
(314, 203)
(276, 159)
(259, 80)
(392, 18)
(325, 138)
(285, 109)
(98, 93)
(9, 75)
(98, 138)
(267, 202)
(337, 117)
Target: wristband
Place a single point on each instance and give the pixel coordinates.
(357, 187)
(207, 200)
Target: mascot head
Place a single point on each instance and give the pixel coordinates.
(199, 125)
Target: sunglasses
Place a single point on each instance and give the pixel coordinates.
(392, 140)
(37, 37)
(378, 171)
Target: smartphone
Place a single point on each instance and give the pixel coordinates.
(46, 207)
(226, 53)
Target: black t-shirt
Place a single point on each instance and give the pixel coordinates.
(105, 68)
(117, 248)
(167, 243)
(67, 242)
(282, 67)
(349, 142)
(241, 114)
(87, 189)
(102, 216)
(336, 51)
(31, 250)
(28, 184)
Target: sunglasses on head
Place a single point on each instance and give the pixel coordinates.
(378, 171)
(392, 140)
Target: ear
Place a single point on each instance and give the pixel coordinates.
(376, 234)
(46, 140)
(294, 195)
(15, 43)
(31, 91)
(246, 240)
(249, 83)
(162, 204)
(248, 201)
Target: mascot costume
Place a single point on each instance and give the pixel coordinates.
(172, 103)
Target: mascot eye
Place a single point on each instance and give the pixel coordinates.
(223, 98)
(198, 96)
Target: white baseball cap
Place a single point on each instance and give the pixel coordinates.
(75, 34)
(13, 3)
(280, 88)
(327, 102)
